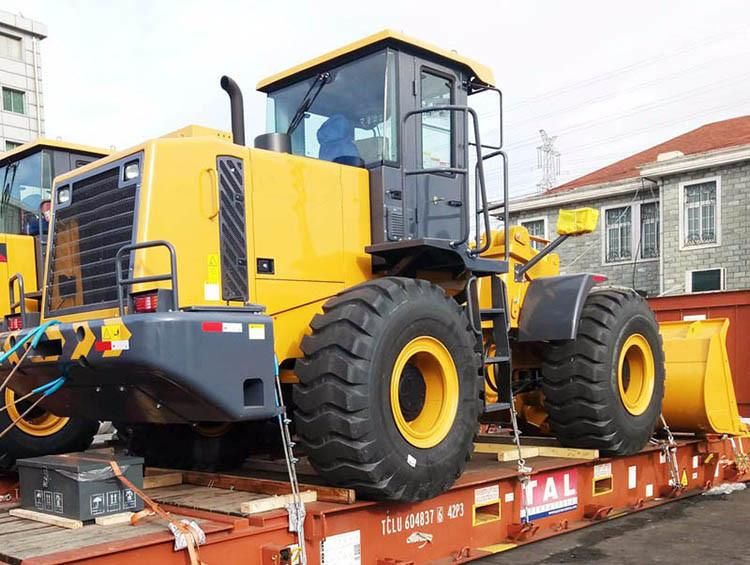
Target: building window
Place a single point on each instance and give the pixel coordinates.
(13, 100)
(619, 234)
(706, 280)
(10, 47)
(631, 233)
(11, 145)
(536, 227)
(649, 230)
(700, 212)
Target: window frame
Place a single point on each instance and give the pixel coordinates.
(639, 239)
(23, 100)
(635, 232)
(689, 280)
(683, 246)
(543, 219)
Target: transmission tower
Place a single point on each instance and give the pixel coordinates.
(548, 159)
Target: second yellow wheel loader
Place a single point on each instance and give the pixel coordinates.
(339, 253)
(26, 175)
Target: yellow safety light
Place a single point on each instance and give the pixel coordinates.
(577, 222)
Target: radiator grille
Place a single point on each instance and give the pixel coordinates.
(232, 229)
(85, 238)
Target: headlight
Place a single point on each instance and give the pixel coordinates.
(131, 171)
(63, 195)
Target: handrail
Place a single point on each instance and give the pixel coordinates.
(485, 209)
(21, 303)
(466, 110)
(171, 276)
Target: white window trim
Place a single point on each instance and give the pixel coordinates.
(689, 280)
(23, 46)
(635, 232)
(523, 221)
(681, 189)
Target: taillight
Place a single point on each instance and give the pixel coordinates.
(146, 302)
(14, 323)
(599, 278)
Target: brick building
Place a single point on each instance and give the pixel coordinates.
(674, 218)
(22, 106)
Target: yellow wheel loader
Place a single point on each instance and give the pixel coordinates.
(26, 173)
(348, 254)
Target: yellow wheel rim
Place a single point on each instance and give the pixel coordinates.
(39, 423)
(213, 429)
(636, 374)
(435, 417)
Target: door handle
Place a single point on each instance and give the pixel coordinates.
(212, 202)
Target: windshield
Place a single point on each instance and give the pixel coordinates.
(351, 111)
(25, 184)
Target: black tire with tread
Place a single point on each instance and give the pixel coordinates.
(76, 435)
(180, 446)
(343, 414)
(580, 381)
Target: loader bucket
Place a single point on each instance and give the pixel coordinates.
(699, 392)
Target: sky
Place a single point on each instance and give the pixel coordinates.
(606, 78)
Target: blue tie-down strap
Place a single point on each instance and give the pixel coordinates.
(51, 387)
(34, 335)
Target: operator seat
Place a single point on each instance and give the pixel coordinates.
(336, 138)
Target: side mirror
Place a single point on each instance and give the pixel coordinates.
(577, 222)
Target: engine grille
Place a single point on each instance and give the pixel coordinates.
(85, 238)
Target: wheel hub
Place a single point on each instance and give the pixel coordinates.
(424, 392)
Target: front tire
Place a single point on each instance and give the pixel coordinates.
(604, 389)
(389, 395)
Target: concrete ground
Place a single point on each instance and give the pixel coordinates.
(698, 530)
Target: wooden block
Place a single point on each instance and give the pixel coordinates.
(60, 521)
(568, 452)
(162, 480)
(506, 452)
(267, 486)
(114, 519)
(275, 502)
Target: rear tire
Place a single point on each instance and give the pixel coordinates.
(604, 389)
(41, 433)
(180, 446)
(378, 357)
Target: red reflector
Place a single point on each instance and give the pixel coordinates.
(599, 278)
(211, 326)
(143, 303)
(103, 345)
(15, 323)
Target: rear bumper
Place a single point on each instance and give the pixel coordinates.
(159, 367)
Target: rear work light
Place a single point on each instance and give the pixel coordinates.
(15, 323)
(146, 302)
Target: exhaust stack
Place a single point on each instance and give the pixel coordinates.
(237, 109)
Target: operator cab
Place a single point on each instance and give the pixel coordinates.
(26, 173)
(398, 108)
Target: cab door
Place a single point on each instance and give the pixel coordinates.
(439, 144)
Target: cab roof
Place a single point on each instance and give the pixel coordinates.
(385, 37)
(43, 143)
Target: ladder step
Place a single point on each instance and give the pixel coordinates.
(489, 313)
(496, 407)
(496, 359)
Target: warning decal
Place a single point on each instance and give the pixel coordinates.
(552, 493)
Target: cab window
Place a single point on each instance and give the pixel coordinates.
(437, 126)
(26, 183)
(327, 122)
